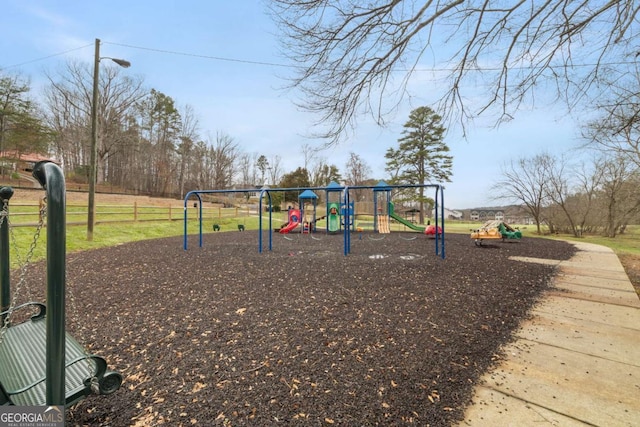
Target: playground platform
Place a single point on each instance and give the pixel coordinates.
(576, 361)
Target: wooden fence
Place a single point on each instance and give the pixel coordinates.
(28, 215)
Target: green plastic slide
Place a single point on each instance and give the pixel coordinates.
(403, 221)
(333, 218)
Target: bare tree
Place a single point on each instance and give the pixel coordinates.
(222, 157)
(309, 153)
(524, 180)
(575, 198)
(621, 194)
(617, 129)
(357, 172)
(589, 177)
(188, 134)
(68, 108)
(275, 169)
(323, 173)
(348, 52)
(247, 170)
(560, 192)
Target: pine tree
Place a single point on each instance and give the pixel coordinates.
(422, 156)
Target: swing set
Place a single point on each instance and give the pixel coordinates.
(40, 363)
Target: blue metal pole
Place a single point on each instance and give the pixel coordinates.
(442, 202)
(435, 209)
(270, 207)
(346, 218)
(200, 217)
(184, 237)
(270, 222)
(260, 221)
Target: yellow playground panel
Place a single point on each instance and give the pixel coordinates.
(383, 224)
(495, 230)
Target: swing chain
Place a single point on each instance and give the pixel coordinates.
(4, 213)
(95, 384)
(23, 265)
(4, 216)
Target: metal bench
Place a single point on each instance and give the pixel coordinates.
(23, 365)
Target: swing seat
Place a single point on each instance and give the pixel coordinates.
(23, 365)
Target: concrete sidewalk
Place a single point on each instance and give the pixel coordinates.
(577, 361)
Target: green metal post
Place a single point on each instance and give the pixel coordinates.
(5, 267)
(51, 178)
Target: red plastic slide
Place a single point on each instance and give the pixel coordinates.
(294, 221)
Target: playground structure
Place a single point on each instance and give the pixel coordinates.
(40, 363)
(383, 220)
(340, 216)
(307, 218)
(495, 230)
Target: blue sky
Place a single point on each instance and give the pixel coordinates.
(179, 48)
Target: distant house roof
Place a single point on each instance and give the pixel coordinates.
(25, 157)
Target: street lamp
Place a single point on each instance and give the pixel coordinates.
(93, 169)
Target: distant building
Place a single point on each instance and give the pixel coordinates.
(16, 161)
(448, 214)
(508, 214)
(486, 215)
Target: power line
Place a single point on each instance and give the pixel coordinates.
(196, 55)
(274, 64)
(434, 69)
(45, 57)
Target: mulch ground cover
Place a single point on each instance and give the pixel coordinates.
(391, 334)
